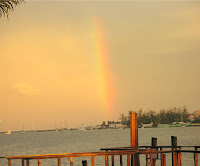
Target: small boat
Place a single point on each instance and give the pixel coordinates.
(22, 131)
(8, 132)
(82, 127)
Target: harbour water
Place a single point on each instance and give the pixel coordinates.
(54, 142)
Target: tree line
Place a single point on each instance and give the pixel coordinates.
(163, 116)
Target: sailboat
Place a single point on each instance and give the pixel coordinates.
(33, 130)
(22, 131)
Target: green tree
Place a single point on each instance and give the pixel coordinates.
(8, 5)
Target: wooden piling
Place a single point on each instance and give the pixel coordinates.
(84, 162)
(161, 157)
(164, 159)
(22, 162)
(174, 154)
(179, 158)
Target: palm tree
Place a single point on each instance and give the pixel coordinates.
(8, 5)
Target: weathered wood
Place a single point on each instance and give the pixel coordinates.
(174, 154)
(113, 160)
(121, 160)
(9, 162)
(59, 161)
(179, 158)
(39, 162)
(92, 160)
(84, 162)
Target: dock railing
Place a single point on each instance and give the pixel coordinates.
(133, 152)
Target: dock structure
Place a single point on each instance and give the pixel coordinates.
(152, 153)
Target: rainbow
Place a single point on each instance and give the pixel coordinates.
(105, 81)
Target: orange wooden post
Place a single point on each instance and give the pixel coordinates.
(59, 161)
(106, 158)
(92, 160)
(134, 135)
(39, 162)
(179, 158)
(128, 160)
(134, 129)
(164, 159)
(196, 157)
(9, 162)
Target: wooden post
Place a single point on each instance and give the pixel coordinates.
(196, 157)
(39, 162)
(161, 157)
(92, 160)
(128, 160)
(121, 161)
(106, 160)
(147, 160)
(113, 160)
(134, 135)
(179, 158)
(174, 154)
(9, 162)
(27, 162)
(154, 144)
(84, 162)
(134, 129)
(22, 162)
(71, 161)
(59, 161)
(164, 159)
(151, 159)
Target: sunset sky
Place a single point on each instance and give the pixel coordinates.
(85, 62)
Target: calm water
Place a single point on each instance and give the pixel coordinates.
(82, 141)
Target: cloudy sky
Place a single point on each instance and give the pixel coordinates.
(85, 62)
